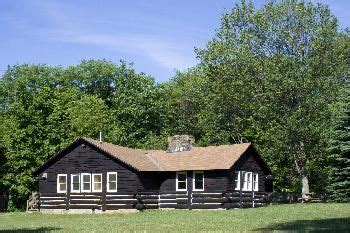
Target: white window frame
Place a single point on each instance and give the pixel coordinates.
(244, 180)
(71, 183)
(82, 183)
(248, 183)
(256, 182)
(238, 181)
(93, 183)
(116, 181)
(194, 181)
(177, 181)
(58, 183)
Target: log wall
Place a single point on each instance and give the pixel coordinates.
(155, 200)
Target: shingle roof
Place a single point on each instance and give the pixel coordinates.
(198, 158)
(135, 158)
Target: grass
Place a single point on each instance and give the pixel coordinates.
(294, 217)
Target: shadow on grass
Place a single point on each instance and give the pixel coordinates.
(26, 230)
(327, 225)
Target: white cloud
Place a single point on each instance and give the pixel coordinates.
(165, 53)
(67, 28)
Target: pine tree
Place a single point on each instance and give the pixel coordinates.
(340, 152)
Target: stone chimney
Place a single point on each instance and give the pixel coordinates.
(179, 143)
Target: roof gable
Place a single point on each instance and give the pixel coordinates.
(252, 152)
(106, 149)
(57, 156)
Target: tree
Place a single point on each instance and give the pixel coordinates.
(340, 151)
(138, 111)
(87, 116)
(27, 92)
(136, 107)
(186, 94)
(96, 77)
(44, 108)
(275, 72)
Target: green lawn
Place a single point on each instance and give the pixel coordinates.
(309, 217)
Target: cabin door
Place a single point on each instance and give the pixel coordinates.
(184, 184)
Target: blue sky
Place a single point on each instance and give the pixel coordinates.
(158, 36)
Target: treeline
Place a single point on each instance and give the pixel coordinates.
(275, 77)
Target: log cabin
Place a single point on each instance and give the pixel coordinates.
(100, 176)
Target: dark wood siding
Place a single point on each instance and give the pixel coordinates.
(150, 181)
(168, 182)
(83, 158)
(251, 162)
(216, 181)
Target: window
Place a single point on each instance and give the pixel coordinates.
(243, 177)
(250, 180)
(255, 182)
(181, 181)
(85, 182)
(247, 181)
(111, 182)
(75, 183)
(198, 181)
(238, 180)
(97, 182)
(61, 183)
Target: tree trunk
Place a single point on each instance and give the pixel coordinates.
(304, 181)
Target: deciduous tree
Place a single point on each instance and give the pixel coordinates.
(275, 72)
